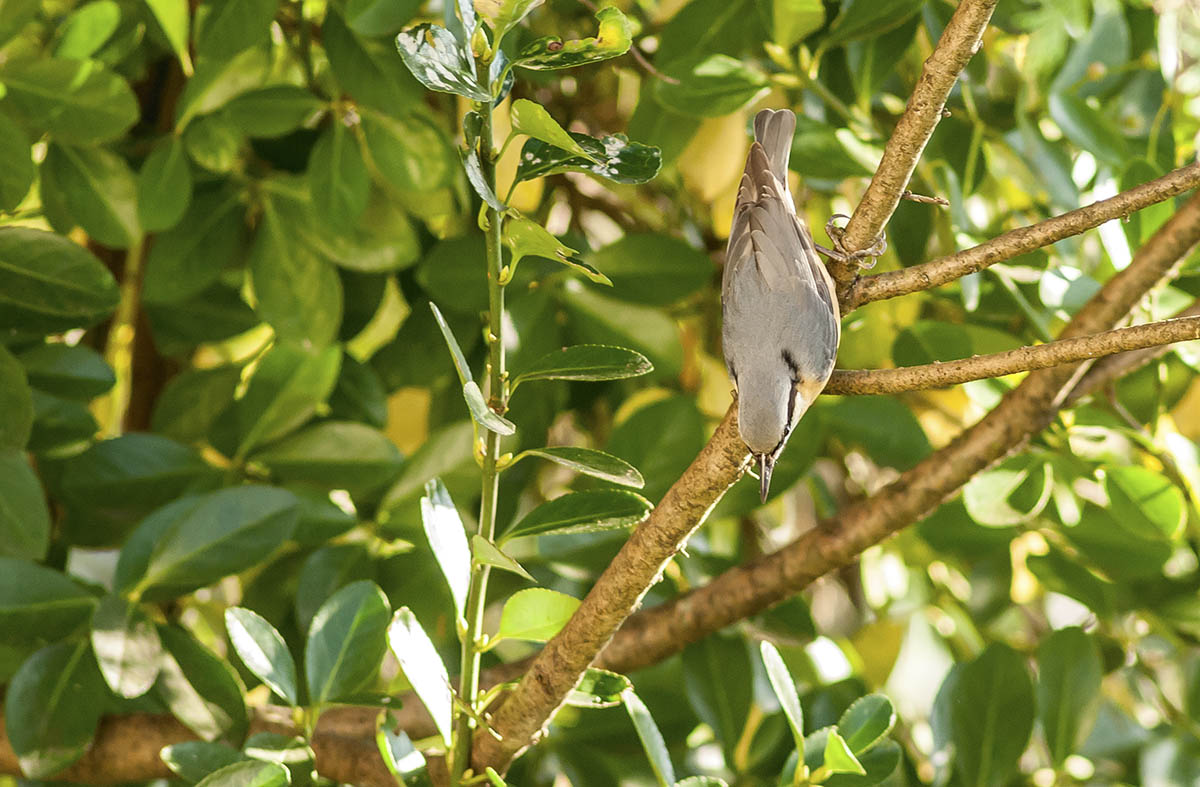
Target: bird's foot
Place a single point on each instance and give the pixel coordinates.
(839, 251)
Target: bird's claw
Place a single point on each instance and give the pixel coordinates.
(841, 254)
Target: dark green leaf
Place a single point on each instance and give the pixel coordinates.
(368, 69)
(60, 425)
(868, 18)
(535, 614)
(479, 182)
(338, 177)
(1015, 491)
(346, 642)
(86, 29)
(409, 151)
(38, 604)
(1146, 502)
(326, 571)
(76, 101)
(595, 317)
(820, 150)
(717, 679)
(651, 738)
(533, 120)
(98, 191)
(52, 707)
(592, 462)
(215, 143)
(174, 19)
(164, 187)
(598, 688)
(16, 403)
(785, 691)
(582, 512)
(286, 389)
(991, 714)
(290, 751)
(263, 651)
(17, 171)
(379, 17)
(866, 722)
(423, 667)
(192, 400)
(250, 773)
(273, 111)
(883, 426)
(14, 15)
(191, 255)
(653, 269)
(1116, 547)
(24, 519)
(587, 362)
(196, 540)
(200, 688)
(612, 157)
(1068, 689)
(480, 411)
(334, 455)
(448, 450)
(794, 20)
(448, 539)
(878, 763)
(126, 646)
(232, 26)
(613, 39)
(661, 440)
(1088, 128)
(193, 760)
(75, 372)
(439, 62)
(1062, 574)
(710, 86)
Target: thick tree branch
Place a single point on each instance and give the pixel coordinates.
(1022, 359)
(654, 634)
(960, 40)
(1019, 241)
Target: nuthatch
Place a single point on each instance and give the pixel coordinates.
(781, 321)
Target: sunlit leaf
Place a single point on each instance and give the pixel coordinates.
(612, 40)
(582, 512)
(612, 157)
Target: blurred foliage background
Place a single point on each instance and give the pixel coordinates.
(222, 222)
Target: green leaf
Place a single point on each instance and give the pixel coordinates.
(794, 20)
(839, 758)
(717, 677)
(532, 119)
(286, 389)
(60, 425)
(480, 412)
(448, 540)
(14, 15)
(174, 20)
(613, 39)
(820, 150)
(126, 645)
(346, 642)
(868, 18)
(52, 707)
(272, 111)
(98, 190)
(582, 512)
(661, 440)
(866, 722)
(1145, 502)
(290, 751)
(710, 86)
(75, 101)
(1015, 491)
(991, 715)
(164, 186)
(299, 292)
(232, 26)
(486, 553)
(194, 760)
(591, 462)
(250, 773)
(338, 177)
(612, 157)
(652, 268)
(326, 571)
(77, 372)
(199, 688)
(404, 760)
(38, 604)
(535, 614)
(379, 17)
(334, 455)
(409, 151)
(652, 740)
(213, 142)
(1088, 128)
(16, 403)
(190, 256)
(479, 182)
(587, 362)
(24, 518)
(423, 667)
(192, 400)
(1068, 689)
(86, 29)
(262, 649)
(785, 689)
(527, 238)
(439, 62)
(197, 540)
(598, 688)
(367, 69)
(17, 171)
(503, 15)
(883, 426)
(878, 763)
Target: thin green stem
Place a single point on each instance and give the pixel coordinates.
(119, 349)
(497, 377)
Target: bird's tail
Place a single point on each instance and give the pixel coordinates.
(774, 129)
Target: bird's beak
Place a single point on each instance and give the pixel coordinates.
(766, 464)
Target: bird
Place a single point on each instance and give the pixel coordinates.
(780, 319)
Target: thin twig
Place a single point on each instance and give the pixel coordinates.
(908, 195)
